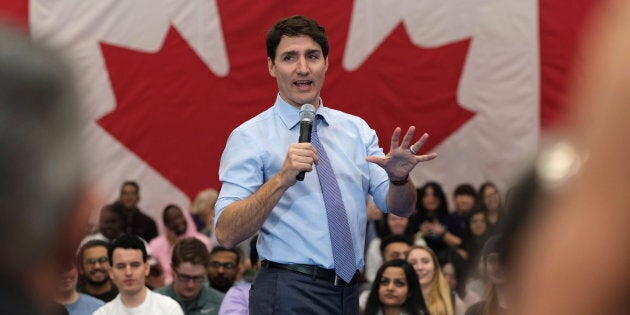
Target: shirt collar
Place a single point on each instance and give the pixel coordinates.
(290, 115)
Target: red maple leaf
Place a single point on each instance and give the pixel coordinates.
(176, 115)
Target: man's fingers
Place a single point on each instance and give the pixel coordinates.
(408, 136)
(395, 137)
(426, 157)
(418, 145)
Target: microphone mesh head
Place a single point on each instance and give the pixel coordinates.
(307, 113)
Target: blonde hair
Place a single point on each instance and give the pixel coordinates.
(203, 200)
(439, 298)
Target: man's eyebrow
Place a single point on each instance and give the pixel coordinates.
(313, 51)
(289, 53)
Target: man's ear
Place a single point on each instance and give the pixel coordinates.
(271, 66)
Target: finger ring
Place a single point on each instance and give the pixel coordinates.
(412, 150)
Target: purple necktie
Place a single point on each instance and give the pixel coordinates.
(340, 238)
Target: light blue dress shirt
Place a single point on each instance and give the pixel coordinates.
(296, 231)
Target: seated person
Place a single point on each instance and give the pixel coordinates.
(223, 268)
(130, 267)
(177, 228)
(190, 260)
(396, 291)
(76, 303)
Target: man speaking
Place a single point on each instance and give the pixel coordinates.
(312, 231)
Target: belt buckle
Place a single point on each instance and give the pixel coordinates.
(338, 281)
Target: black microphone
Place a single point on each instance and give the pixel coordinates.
(307, 116)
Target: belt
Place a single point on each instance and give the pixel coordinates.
(313, 271)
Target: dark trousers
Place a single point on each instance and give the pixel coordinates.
(279, 291)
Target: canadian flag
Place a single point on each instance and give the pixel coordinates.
(164, 82)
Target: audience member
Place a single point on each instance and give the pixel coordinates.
(435, 289)
(465, 198)
(129, 270)
(491, 204)
(189, 261)
(111, 225)
(223, 268)
(496, 299)
(43, 196)
(432, 210)
(394, 225)
(236, 300)
(394, 246)
(396, 291)
(76, 303)
(176, 228)
(455, 274)
(202, 211)
(155, 279)
(136, 222)
(94, 266)
(476, 235)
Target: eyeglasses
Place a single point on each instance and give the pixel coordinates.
(187, 278)
(100, 260)
(227, 266)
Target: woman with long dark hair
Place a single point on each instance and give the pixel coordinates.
(396, 291)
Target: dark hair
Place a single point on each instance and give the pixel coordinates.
(465, 189)
(383, 229)
(131, 183)
(482, 202)
(414, 303)
(394, 238)
(472, 213)
(190, 250)
(168, 207)
(231, 250)
(442, 210)
(127, 241)
(295, 26)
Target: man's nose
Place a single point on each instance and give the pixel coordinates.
(302, 66)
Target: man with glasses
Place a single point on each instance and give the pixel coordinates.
(130, 268)
(93, 265)
(189, 262)
(223, 268)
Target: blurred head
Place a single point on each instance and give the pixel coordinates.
(93, 263)
(203, 206)
(41, 185)
(111, 222)
(394, 247)
(129, 194)
(493, 265)
(68, 281)
(432, 200)
(130, 267)
(490, 197)
(465, 198)
(477, 223)
(396, 224)
(223, 268)
(174, 220)
(189, 263)
(395, 285)
(448, 269)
